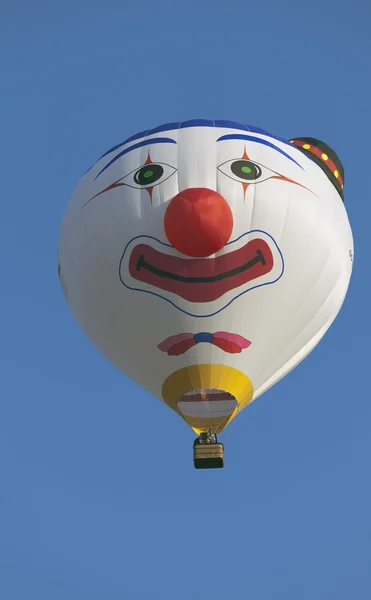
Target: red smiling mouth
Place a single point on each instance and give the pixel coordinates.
(201, 279)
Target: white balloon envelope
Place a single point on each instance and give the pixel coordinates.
(206, 259)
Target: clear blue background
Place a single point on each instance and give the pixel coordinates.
(84, 513)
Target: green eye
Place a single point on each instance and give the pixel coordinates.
(245, 169)
(149, 174)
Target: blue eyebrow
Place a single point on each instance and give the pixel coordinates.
(194, 123)
(251, 138)
(134, 147)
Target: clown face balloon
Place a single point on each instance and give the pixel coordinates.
(206, 259)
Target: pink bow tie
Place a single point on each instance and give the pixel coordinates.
(179, 344)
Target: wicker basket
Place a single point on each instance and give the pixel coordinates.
(208, 456)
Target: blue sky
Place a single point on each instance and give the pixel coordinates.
(81, 515)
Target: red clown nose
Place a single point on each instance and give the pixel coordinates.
(198, 222)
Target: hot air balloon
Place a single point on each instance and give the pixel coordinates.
(205, 260)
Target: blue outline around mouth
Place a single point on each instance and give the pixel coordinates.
(149, 237)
